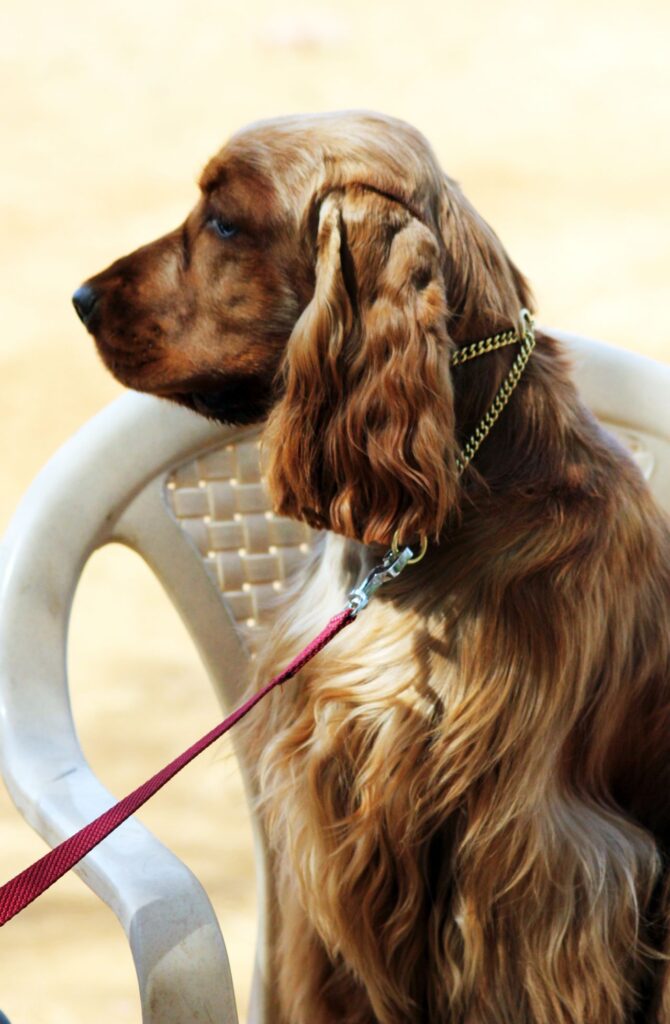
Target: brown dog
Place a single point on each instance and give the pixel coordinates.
(467, 795)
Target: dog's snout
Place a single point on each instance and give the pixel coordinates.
(84, 301)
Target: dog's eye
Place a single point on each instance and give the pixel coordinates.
(223, 228)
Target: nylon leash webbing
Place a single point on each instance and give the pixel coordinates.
(34, 880)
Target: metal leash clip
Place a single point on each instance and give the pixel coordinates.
(393, 564)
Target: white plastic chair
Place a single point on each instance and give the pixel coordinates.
(187, 496)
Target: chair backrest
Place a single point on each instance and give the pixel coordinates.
(630, 395)
(188, 496)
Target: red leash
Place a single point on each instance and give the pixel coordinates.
(33, 881)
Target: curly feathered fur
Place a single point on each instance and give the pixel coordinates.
(467, 794)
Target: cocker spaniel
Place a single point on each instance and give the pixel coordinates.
(467, 795)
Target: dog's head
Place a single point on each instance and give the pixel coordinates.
(320, 281)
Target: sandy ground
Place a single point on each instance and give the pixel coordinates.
(554, 117)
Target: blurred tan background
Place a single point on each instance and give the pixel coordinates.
(553, 115)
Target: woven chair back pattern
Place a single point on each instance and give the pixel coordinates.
(220, 500)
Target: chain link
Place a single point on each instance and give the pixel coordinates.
(480, 348)
(526, 338)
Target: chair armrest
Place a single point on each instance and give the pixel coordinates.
(179, 954)
(177, 946)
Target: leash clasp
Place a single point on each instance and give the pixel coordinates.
(393, 564)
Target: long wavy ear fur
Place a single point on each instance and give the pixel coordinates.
(362, 439)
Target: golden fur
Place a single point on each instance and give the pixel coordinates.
(467, 793)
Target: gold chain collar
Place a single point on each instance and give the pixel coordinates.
(525, 336)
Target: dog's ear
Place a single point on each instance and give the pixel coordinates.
(486, 290)
(361, 440)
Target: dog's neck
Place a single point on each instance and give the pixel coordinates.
(543, 411)
(523, 340)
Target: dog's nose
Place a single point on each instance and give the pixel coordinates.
(84, 301)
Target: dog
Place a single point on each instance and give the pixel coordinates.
(467, 795)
